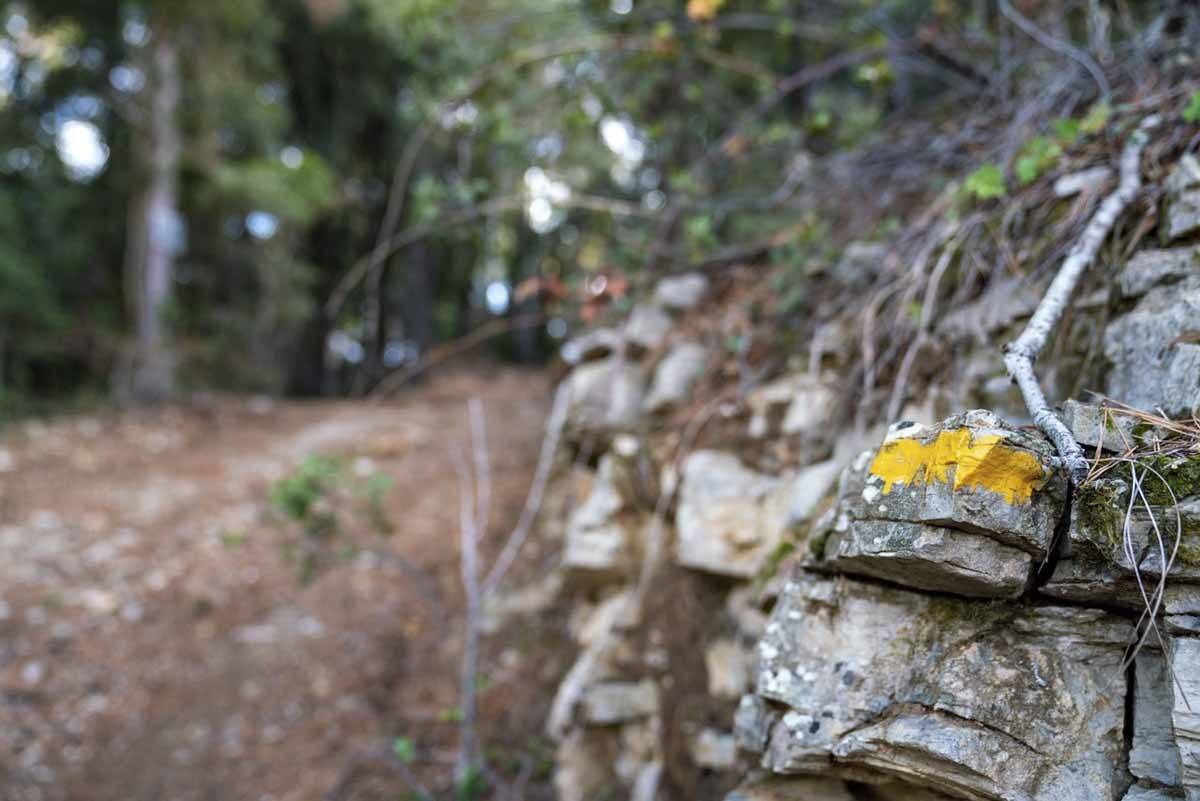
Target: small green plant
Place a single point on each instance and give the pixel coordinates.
(472, 786)
(1191, 112)
(1096, 118)
(328, 504)
(404, 750)
(1037, 155)
(986, 183)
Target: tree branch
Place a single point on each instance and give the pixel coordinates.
(1020, 354)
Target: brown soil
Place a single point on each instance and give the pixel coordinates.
(156, 644)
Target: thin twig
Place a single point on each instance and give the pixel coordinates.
(1058, 46)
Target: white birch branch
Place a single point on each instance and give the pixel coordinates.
(1020, 355)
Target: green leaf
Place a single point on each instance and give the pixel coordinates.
(1096, 118)
(1192, 112)
(1066, 130)
(404, 750)
(986, 182)
(1037, 155)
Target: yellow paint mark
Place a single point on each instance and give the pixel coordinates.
(978, 461)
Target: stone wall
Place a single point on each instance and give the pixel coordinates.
(923, 612)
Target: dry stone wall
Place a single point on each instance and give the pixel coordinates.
(953, 622)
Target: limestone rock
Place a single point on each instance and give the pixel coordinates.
(609, 702)
(675, 376)
(962, 507)
(929, 558)
(582, 766)
(809, 488)
(1149, 268)
(1183, 199)
(595, 344)
(730, 518)
(963, 697)
(1091, 426)
(861, 262)
(1154, 754)
(1185, 662)
(681, 291)
(727, 667)
(714, 749)
(647, 327)
(605, 394)
(971, 472)
(812, 405)
(791, 789)
(1148, 794)
(752, 723)
(1154, 364)
(1097, 566)
(598, 537)
(1085, 181)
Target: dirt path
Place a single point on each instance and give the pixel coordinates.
(156, 644)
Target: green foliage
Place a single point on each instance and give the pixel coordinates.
(472, 786)
(404, 750)
(1037, 155)
(1191, 112)
(297, 496)
(296, 194)
(986, 183)
(1096, 118)
(330, 505)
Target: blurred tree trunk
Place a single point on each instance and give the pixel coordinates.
(154, 226)
(420, 295)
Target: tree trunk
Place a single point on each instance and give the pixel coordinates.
(155, 231)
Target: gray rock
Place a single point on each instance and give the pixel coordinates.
(929, 558)
(1097, 566)
(611, 702)
(791, 789)
(729, 518)
(1183, 199)
(598, 536)
(860, 263)
(971, 472)
(1154, 755)
(962, 697)
(1149, 268)
(963, 507)
(675, 376)
(647, 327)
(752, 723)
(605, 394)
(1148, 794)
(810, 488)
(812, 405)
(681, 291)
(1185, 176)
(1092, 426)
(727, 666)
(714, 749)
(1154, 362)
(582, 766)
(595, 344)
(1185, 662)
(1084, 181)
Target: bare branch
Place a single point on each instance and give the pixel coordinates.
(1020, 354)
(533, 501)
(1050, 43)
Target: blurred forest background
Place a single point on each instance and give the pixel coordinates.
(304, 196)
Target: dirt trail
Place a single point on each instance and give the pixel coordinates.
(155, 644)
